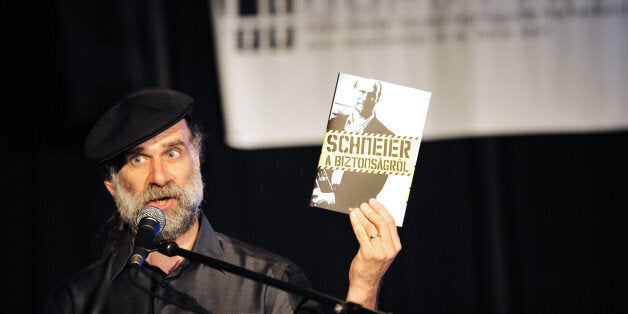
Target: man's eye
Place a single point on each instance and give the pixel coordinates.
(173, 154)
(137, 159)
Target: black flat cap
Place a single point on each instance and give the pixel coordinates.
(138, 117)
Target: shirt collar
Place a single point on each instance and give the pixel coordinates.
(206, 244)
(355, 122)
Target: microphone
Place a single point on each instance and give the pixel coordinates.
(150, 221)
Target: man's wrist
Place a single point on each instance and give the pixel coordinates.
(365, 296)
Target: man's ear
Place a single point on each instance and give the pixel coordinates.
(109, 186)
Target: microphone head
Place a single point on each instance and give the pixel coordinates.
(153, 213)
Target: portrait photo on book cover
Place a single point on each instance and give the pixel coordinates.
(371, 145)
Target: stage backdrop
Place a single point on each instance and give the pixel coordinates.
(494, 67)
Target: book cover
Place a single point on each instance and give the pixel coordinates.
(371, 145)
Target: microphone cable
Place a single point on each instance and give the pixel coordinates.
(155, 295)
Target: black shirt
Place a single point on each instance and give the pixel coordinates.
(105, 286)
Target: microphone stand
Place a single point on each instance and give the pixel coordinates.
(339, 306)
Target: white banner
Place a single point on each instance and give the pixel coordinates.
(494, 67)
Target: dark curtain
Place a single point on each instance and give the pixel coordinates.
(506, 224)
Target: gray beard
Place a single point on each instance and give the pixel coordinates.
(178, 219)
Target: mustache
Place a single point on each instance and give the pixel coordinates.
(154, 192)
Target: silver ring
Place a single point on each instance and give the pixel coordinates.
(373, 236)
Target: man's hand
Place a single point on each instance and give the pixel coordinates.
(376, 231)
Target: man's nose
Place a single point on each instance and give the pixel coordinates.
(161, 174)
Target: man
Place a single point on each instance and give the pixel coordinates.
(362, 119)
(337, 188)
(151, 150)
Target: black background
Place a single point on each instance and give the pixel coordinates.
(512, 224)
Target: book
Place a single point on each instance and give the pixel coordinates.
(371, 145)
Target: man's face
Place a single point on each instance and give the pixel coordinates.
(364, 97)
(163, 172)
